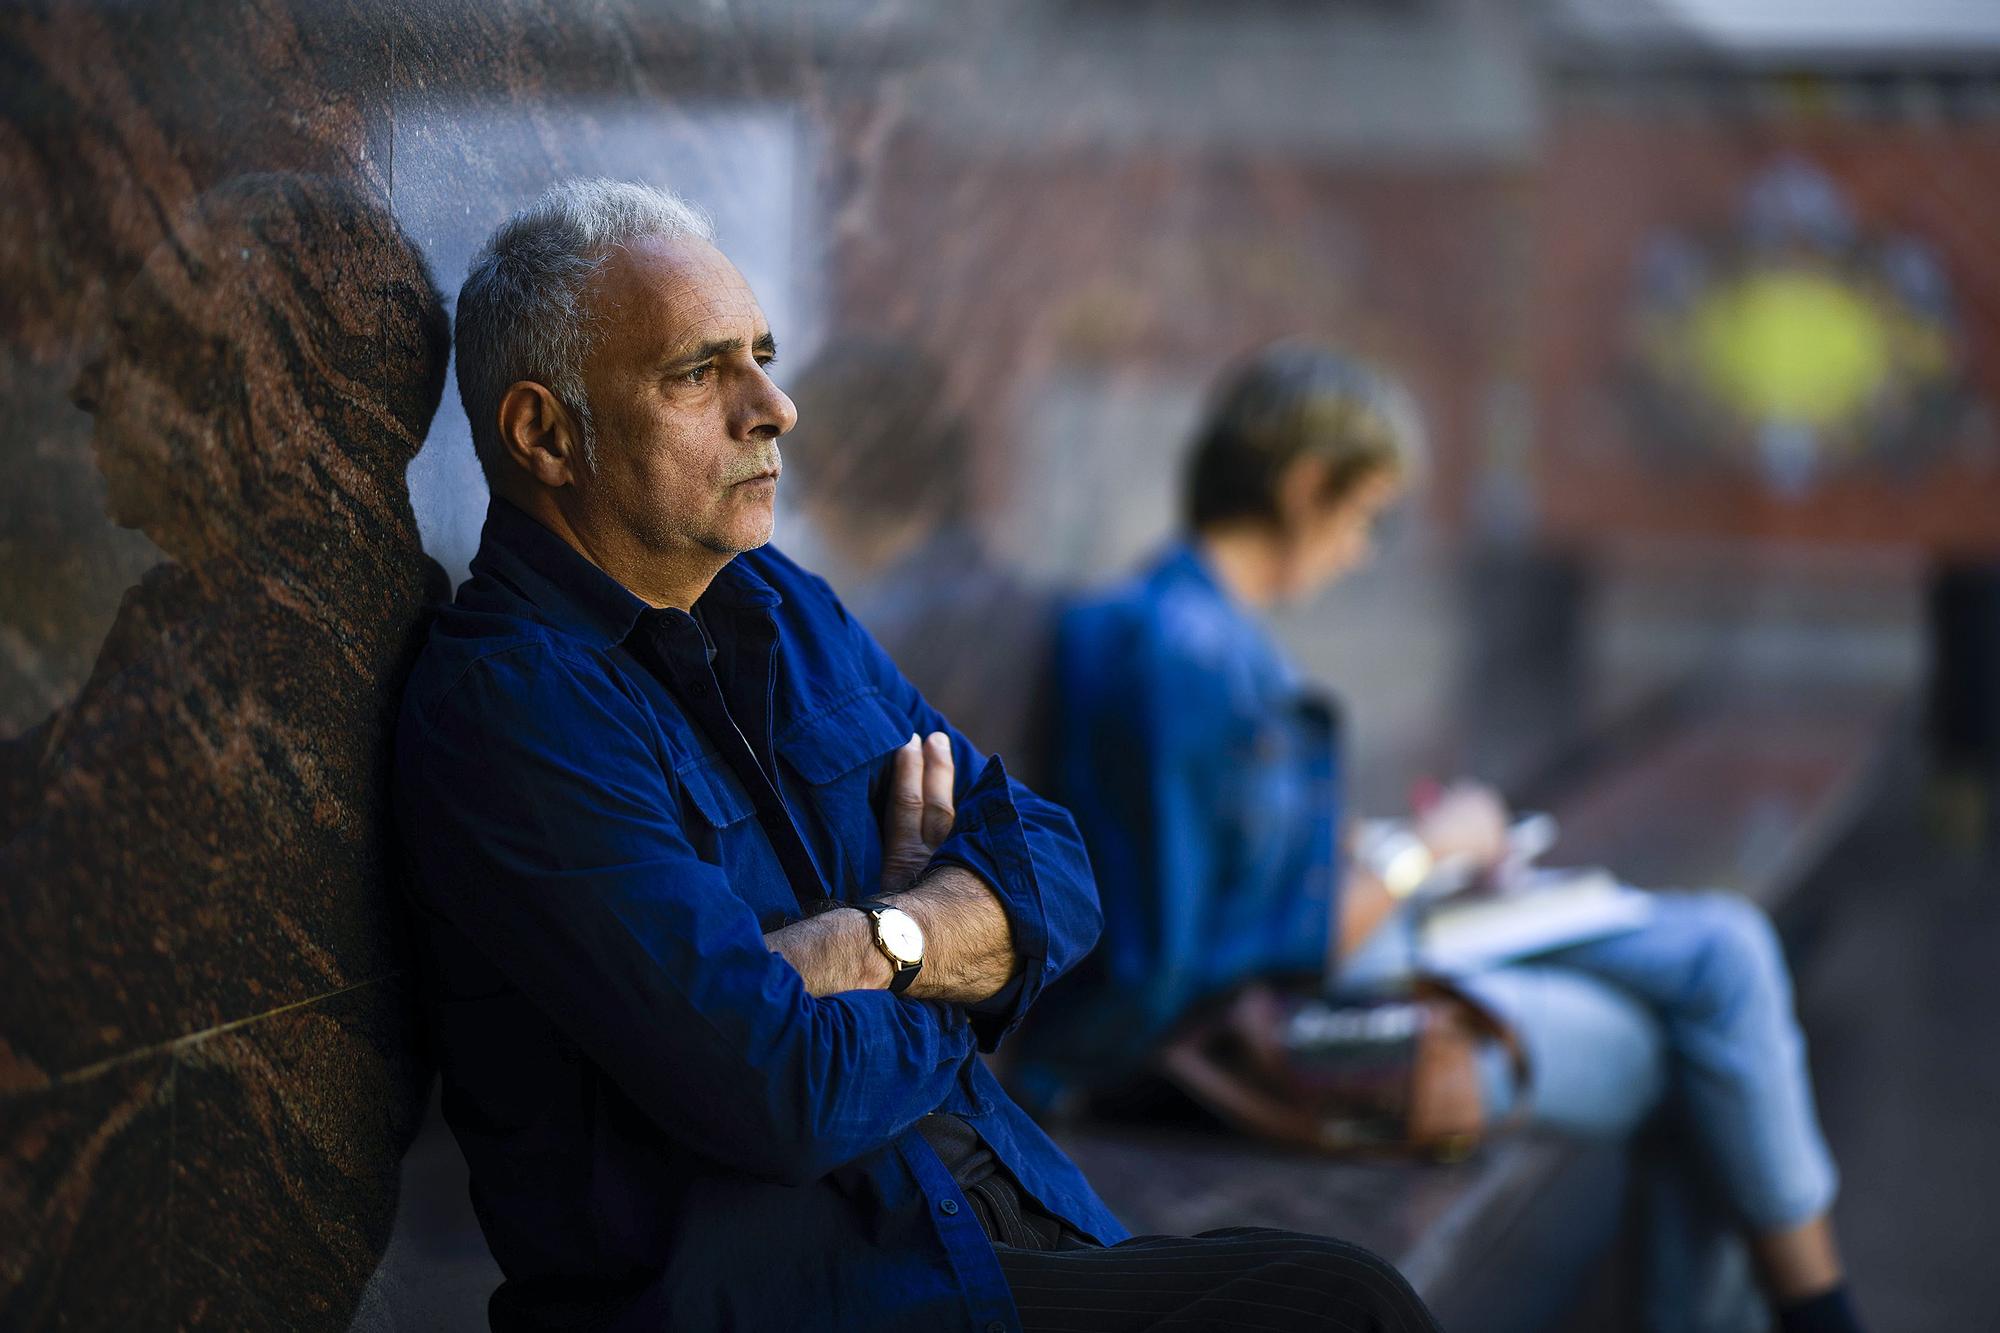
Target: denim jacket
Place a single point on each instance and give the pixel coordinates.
(1204, 776)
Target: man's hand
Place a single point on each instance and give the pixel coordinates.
(917, 816)
(968, 941)
(1467, 823)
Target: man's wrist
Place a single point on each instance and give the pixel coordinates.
(932, 911)
(1401, 860)
(843, 952)
(872, 968)
(968, 940)
(918, 908)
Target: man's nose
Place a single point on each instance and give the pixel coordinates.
(768, 412)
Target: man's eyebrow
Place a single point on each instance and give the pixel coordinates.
(714, 347)
(700, 352)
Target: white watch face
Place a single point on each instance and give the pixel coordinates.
(900, 935)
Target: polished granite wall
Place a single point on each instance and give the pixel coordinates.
(221, 354)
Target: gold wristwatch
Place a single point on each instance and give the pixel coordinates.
(901, 941)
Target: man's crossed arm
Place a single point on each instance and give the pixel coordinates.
(968, 944)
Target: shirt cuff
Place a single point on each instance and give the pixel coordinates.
(988, 838)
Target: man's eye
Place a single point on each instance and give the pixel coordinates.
(700, 374)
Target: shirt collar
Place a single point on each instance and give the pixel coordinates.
(574, 594)
(1184, 562)
(1185, 568)
(738, 587)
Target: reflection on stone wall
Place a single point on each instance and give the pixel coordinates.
(207, 1065)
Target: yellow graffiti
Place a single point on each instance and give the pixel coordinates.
(1795, 345)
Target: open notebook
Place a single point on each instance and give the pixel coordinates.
(1541, 910)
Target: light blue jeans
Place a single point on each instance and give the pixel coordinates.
(1696, 1007)
(1699, 1002)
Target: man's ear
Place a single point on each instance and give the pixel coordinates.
(540, 435)
(1301, 492)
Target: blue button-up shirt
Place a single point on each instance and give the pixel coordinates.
(1203, 772)
(664, 1129)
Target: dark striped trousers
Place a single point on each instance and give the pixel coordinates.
(1248, 1278)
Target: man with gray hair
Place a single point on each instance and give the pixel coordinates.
(716, 911)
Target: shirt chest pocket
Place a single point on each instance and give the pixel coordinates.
(714, 803)
(837, 761)
(718, 822)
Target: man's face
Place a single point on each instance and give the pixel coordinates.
(1340, 537)
(687, 419)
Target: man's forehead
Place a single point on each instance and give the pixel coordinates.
(681, 289)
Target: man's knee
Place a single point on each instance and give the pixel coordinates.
(1741, 963)
(1338, 1276)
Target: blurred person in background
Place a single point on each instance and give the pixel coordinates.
(885, 489)
(1204, 773)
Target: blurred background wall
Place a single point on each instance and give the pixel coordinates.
(1700, 300)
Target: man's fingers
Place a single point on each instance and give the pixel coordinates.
(939, 772)
(903, 812)
(918, 813)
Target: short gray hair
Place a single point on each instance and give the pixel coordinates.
(521, 312)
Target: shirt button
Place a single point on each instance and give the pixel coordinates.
(698, 689)
(996, 1326)
(949, 1207)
